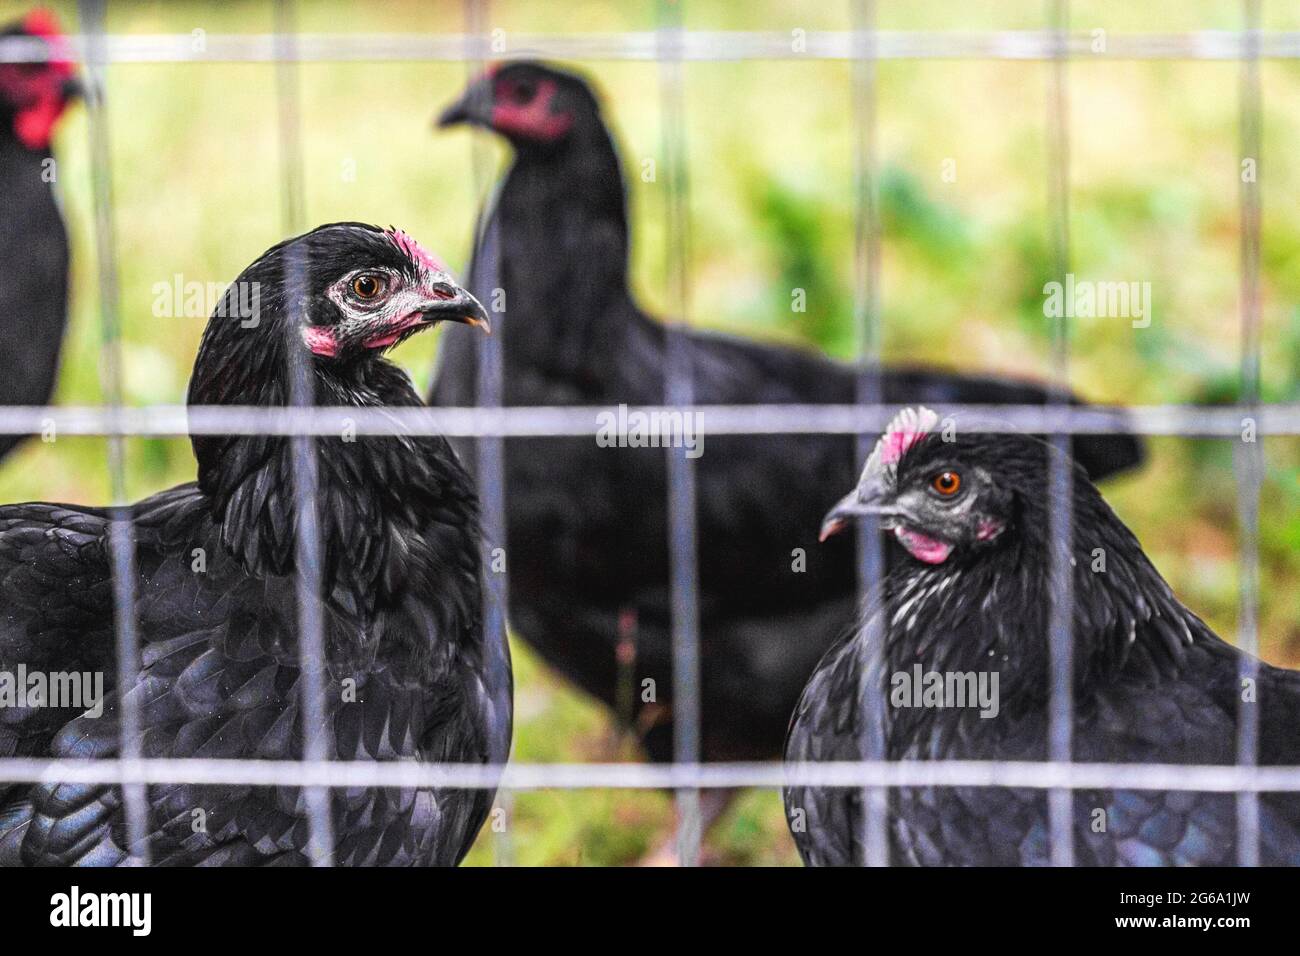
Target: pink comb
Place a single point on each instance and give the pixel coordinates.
(908, 427)
(416, 251)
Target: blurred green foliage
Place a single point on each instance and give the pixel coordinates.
(962, 200)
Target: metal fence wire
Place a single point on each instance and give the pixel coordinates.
(672, 46)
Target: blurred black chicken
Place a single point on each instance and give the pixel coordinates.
(970, 595)
(587, 540)
(411, 673)
(33, 241)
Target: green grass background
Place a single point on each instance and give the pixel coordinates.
(1154, 191)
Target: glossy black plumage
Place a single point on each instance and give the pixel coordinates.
(33, 240)
(411, 673)
(1153, 684)
(587, 539)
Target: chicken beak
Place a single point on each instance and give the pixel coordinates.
(866, 499)
(460, 307)
(474, 107)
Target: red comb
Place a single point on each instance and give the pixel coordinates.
(41, 23)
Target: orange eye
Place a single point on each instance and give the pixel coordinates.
(947, 483)
(367, 286)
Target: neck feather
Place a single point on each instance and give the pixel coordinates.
(395, 512)
(564, 239)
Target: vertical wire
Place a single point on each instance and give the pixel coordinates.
(121, 537)
(1248, 459)
(679, 392)
(489, 383)
(1060, 476)
(317, 745)
(867, 322)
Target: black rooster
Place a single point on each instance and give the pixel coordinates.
(411, 673)
(33, 241)
(969, 602)
(587, 539)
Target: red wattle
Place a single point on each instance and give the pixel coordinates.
(34, 126)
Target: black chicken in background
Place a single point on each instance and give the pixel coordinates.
(969, 595)
(33, 241)
(411, 673)
(587, 541)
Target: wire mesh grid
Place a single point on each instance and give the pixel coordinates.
(671, 45)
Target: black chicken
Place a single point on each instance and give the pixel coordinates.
(411, 672)
(969, 600)
(587, 539)
(33, 241)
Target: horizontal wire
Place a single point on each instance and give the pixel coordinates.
(696, 45)
(543, 421)
(633, 776)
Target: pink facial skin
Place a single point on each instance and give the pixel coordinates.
(922, 547)
(533, 119)
(385, 339)
(320, 339)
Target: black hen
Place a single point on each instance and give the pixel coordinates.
(587, 539)
(33, 241)
(411, 673)
(968, 601)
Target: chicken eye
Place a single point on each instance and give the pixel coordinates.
(521, 93)
(947, 483)
(367, 286)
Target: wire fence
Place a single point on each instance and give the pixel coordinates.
(671, 45)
